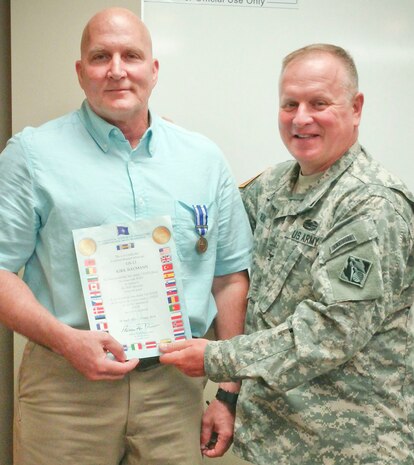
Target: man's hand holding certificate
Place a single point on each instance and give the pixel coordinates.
(131, 284)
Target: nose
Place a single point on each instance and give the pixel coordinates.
(116, 70)
(302, 116)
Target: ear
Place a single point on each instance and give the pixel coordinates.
(78, 67)
(155, 69)
(357, 104)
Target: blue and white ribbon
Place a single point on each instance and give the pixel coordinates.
(201, 219)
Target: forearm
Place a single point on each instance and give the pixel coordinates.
(230, 293)
(293, 353)
(21, 312)
(85, 350)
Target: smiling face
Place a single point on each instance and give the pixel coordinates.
(319, 113)
(117, 71)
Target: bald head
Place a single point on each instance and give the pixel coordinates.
(117, 70)
(114, 19)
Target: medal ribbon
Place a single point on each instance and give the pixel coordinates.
(201, 219)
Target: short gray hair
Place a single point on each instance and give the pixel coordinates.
(334, 50)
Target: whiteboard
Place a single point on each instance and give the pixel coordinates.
(219, 70)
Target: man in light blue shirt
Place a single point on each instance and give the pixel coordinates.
(110, 162)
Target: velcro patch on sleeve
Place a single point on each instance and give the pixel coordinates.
(348, 239)
(355, 271)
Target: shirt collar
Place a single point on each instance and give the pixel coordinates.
(149, 139)
(100, 130)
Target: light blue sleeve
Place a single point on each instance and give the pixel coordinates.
(18, 220)
(234, 243)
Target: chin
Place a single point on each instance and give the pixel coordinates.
(305, 156)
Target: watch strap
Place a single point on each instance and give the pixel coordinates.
(229, 398)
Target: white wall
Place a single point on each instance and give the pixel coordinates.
(220, 66)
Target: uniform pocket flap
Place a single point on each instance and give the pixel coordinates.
(279, 272)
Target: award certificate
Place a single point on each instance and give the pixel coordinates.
(131, 284)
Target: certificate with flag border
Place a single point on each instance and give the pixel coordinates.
(130, 280)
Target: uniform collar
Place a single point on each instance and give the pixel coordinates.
(284, 195)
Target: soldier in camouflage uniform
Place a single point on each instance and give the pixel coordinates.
(327, 359)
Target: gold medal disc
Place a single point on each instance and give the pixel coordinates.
(87, 247)
(201, 245)
(161, 235)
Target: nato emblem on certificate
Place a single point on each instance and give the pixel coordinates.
(131, 284)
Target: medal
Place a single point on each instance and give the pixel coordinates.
(201, 244)
(201, 226)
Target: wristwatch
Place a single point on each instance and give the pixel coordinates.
(229, 398)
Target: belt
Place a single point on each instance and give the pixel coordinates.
(148, 363)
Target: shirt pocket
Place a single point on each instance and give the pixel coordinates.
(186, 236)
(350, 266)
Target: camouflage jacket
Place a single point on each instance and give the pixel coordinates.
(327, 359)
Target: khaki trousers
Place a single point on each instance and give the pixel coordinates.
(147, 418)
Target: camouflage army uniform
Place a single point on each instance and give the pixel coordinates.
(327, 361)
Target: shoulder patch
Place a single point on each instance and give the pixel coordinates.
(355, 271)
(246, 183)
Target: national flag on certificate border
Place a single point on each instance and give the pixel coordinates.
(176, 316)
(100, 317)
(174, 307)
(90, 270)
(89, 262)
(94, 286)
(172, 299)
(177, 324)
(170, 283)
(167, 267)
(136, 346)
(150, 345)
(96, 301)
(179, 338)
(165, 258)
(172, 291)
(169, 275)
(164, 250)
(92, 279)
(98, 310)
(102, 326)
(95, 294)
(178, 332)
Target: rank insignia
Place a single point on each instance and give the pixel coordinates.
(355, 271)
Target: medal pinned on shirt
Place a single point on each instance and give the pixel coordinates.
(201, 225)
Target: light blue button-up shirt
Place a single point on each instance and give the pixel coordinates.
(79, 171)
